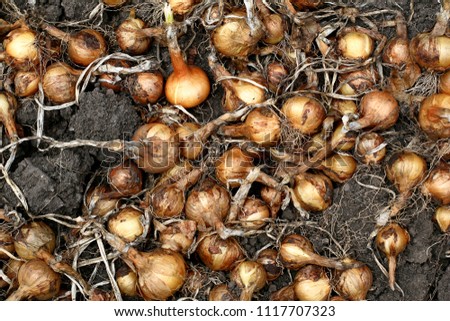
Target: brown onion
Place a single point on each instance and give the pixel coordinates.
(253, 214)
(306, 4)
(353, 44)
(221, 292)
(114, 3)
(339, 167)
(208, 205)
(268, 258)
(444, 83)
(392, 239)
(314, 192)
(130, 36)
(371, 148)
(357, 82)
(250, 276)
(126, 178)
(187, 85)
(127, 224)
(11, 270)
(273, 23)
(431, 51)
(235, 38)
(8, 108)
(98, 202)
(112, 80)
(26, 83)
(127, 281)
(437, 185)
(177, 236)
(434, 116)
(158, 147)
(6, 244)
(261, 126)
(378, 110)
(83, 47)
(286, 293)
(182, 6)
(353, 284)
(36, 281)
(305, 114)
(33, 237)
(276, 74)
(59, 83)
(189, 150)
(396, 52)
(442, 218)
(344, 107)
(145, 87)
(219, 254)
(21, 49)
(273, 199)
(311, 283)
(296, 251)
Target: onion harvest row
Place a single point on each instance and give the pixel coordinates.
(299, 136)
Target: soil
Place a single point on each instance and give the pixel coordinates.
(55, 180)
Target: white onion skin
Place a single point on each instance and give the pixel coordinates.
(434, 116)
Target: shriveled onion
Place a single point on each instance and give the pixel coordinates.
(434, 116)
(353, 284)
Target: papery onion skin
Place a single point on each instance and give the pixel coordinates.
(304, 114)
(127, 224)
(253, 213)
(219, 254)
(339, 167)
(130, 37)
(431, 52)
(355, 45)
(437, 185)
(268, 258)
(250, 276)
(354, 284)
(59, 83)
(359, 81)
(127, 281)
(167, 201)
(312, 284)
(182, 6)
(442, 218)
(434, 116)
(145, 87)
(178, 236)
(11, 269)
(221, 292)
(396, 52)
(313, 191)
(33, 237)
(234, 164)
(366, 145)
(26, 83)
(97, 204)
(21, 48)
(112, 80)
(8, 108)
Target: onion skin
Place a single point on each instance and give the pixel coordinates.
(314, 192)
(353, 284)
(306, 4)
(234, 164)
(113, 80)
(355, 45)
(127, 281)
(392, 239)
(304, 114)
(366, 146)
(8, 108)
(219, 254)
(221, 292)
(396, 52)
(98, 203)
(437, 185)
(36, 280)
(21, 48)
(434, 116)
(431, 52)
(276, 74)
(442, 218)
(59, 83)
(130, 37)
(359, 81)
(273, 199)
(145, 87)
(339, 167)
(26, 83)
(178, 236)
(250, 276)
(33, 237)
(405, 170)
(181, 7)
(253, 213)
(6, 243)
(311, 283)
(167, 201)
(268, 258)
(127, 224)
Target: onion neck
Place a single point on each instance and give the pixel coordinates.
(234, 130)
(392, 267)
(55, 32)
(247, 294)
(19, 294)
(179, 65)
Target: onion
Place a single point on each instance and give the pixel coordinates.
(353, 284)
(83, 47)
(167, 200)
(437, 185)
(26, 83)
(431, 51)
(343, 107)
(113, 80)
(396, 52)
(276, 74)
(392, 239)
(434, 116)
(297, 251)
(11, 270)
(219, 254)
(160, 272)
(403, 79)
(33, 237)
(127, 281)
(37, 281)
(235, 165)
(59, 83)
(208, 205)
(442, 218)
(305, 114)
(253, 214)
(98, 203)
(273, 24)
(306, 4)
(371, 148)
(6, 27)
(273, 199)
(314, 192)
(127, 224)
(268, 258)
(357, 82)
(145, 87)
(444, 83)
(261, 126)
(378, 110)
(354, 44)
(177, 236)
(235, 38)
(250, 276)
(114, 3)
(341, 140)
(221, 292)
(182, 6)
(405, 170)
(8, 108)
(286, 293)
(189, 149)
(21, 49)
(6, 244)
(311, 283)
(339, 167)
(158, 147)
(187, 85)
(126, 178)
(130, 36)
